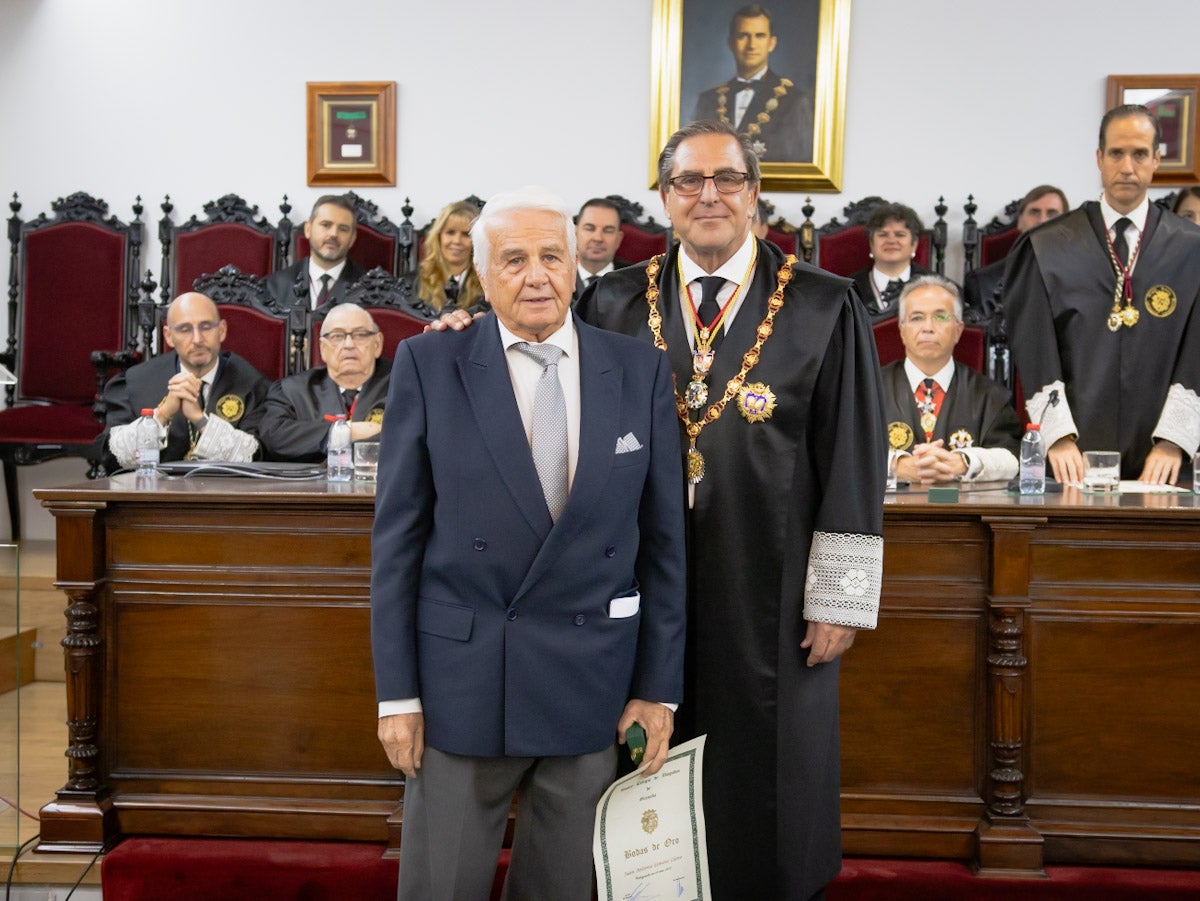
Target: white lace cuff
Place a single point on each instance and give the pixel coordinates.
(122, 442)
(1057, 421)
(221, 441)
(989, 464)
(1180, 419)
(845, 571)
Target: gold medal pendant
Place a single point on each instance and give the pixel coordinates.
(928, 421)
(694, 464)
(1114, 321)
(756, 402)
(1129, 317)
(696, 394)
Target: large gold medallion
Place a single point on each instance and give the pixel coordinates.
(1160, 301)
(231, 408)
(756, 402)
(900, 435)
(694, 463)
(696, 394)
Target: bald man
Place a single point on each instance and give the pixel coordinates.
(207, 403)
(353, 381)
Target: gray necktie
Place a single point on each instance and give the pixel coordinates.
(549, 426)
(1120, 245)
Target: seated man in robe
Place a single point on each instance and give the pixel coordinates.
(945, 420)
(207, 403)
(353, 382)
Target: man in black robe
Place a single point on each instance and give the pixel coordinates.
(207, 402)
(353, 382)
(1102, 304)
(772, 111)
(785, 493)
(945, 420)
(327, 273)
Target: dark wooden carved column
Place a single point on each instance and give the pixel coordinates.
(79, 819)
(1008, 844)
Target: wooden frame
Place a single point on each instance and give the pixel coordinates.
(1173, 98)
(351, 133)
(812, 47)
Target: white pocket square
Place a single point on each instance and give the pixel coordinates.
(623, 608)
(628, 444)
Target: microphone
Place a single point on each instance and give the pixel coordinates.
(1051, 402)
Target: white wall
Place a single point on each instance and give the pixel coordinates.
(197, 99)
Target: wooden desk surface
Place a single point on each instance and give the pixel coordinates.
(1028, 697)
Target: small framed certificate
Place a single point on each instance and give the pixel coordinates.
(649, 840)
(352, 133)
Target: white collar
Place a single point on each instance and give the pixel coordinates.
(563, 337)
(1137, 215)
(733, 270)
(334, 272)
(584, 275)
(881, 281)
(943, 376)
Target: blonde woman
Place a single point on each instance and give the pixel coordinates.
(445, 278)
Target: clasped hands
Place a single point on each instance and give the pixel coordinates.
(183, 393)
(930, 463)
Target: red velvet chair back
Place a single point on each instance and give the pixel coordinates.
(395, 325)
(847, 250)
(788, 242)
(996, 246)
(228, 235)
(74, 299)
(255, 328)
(971, 348)
(639, 245)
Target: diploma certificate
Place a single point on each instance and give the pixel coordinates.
(649, 843)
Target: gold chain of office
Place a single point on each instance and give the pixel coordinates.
(695, 460)
(754, 128)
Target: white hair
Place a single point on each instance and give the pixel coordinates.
(349, 308)
(530, 197)
(932, 280)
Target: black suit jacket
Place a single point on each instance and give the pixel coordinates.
(787, 134)
(866, 292)
(281, 284)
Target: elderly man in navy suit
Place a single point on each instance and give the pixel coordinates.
(528, 579)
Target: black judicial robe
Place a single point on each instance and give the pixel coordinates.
(787, 134)
(294, 425)
(1059, 293)
(980, 286)
(238, 395)
(772, 489)
(975, 412)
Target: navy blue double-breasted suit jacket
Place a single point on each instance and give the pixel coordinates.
(495, 616)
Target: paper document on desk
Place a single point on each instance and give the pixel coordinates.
(649, 842)
(1130, 487)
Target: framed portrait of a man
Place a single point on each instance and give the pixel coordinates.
(775, 71)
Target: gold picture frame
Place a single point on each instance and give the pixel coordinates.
(351, 133)
(820, 61)
(1173, 99)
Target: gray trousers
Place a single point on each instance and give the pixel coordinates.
(456, 809)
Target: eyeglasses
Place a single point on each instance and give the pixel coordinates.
(939, 318)
(358, 336)
(186, 329)
(690, 184)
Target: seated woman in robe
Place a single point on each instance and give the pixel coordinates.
(893, 232)
(446, 279)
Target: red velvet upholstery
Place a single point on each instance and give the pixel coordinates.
(371, 248)
(638, 244)
(996, 247)
(847, 250)
(210, 247)
(259, 337)
(788, 242)
(73, 301)
(32, 423)
(971, 347)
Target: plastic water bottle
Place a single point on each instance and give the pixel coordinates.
(146, 443)
(1033, 461)
(339, 464)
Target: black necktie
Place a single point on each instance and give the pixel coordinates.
(200, 399)
(890, 292)
(323, 294)
(591, 280)
(1120, 247)
(452, 291)
(709, 309)
(348, 396)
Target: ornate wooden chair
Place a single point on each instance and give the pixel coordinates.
(229, 234)
(392, 304)
(843, 248)
(71, 321)
(257, 330)
(380, 242)
(642, 236)
(998, 236)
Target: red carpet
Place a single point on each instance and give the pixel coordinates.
(210, 869)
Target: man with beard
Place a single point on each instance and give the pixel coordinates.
(329, 272)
